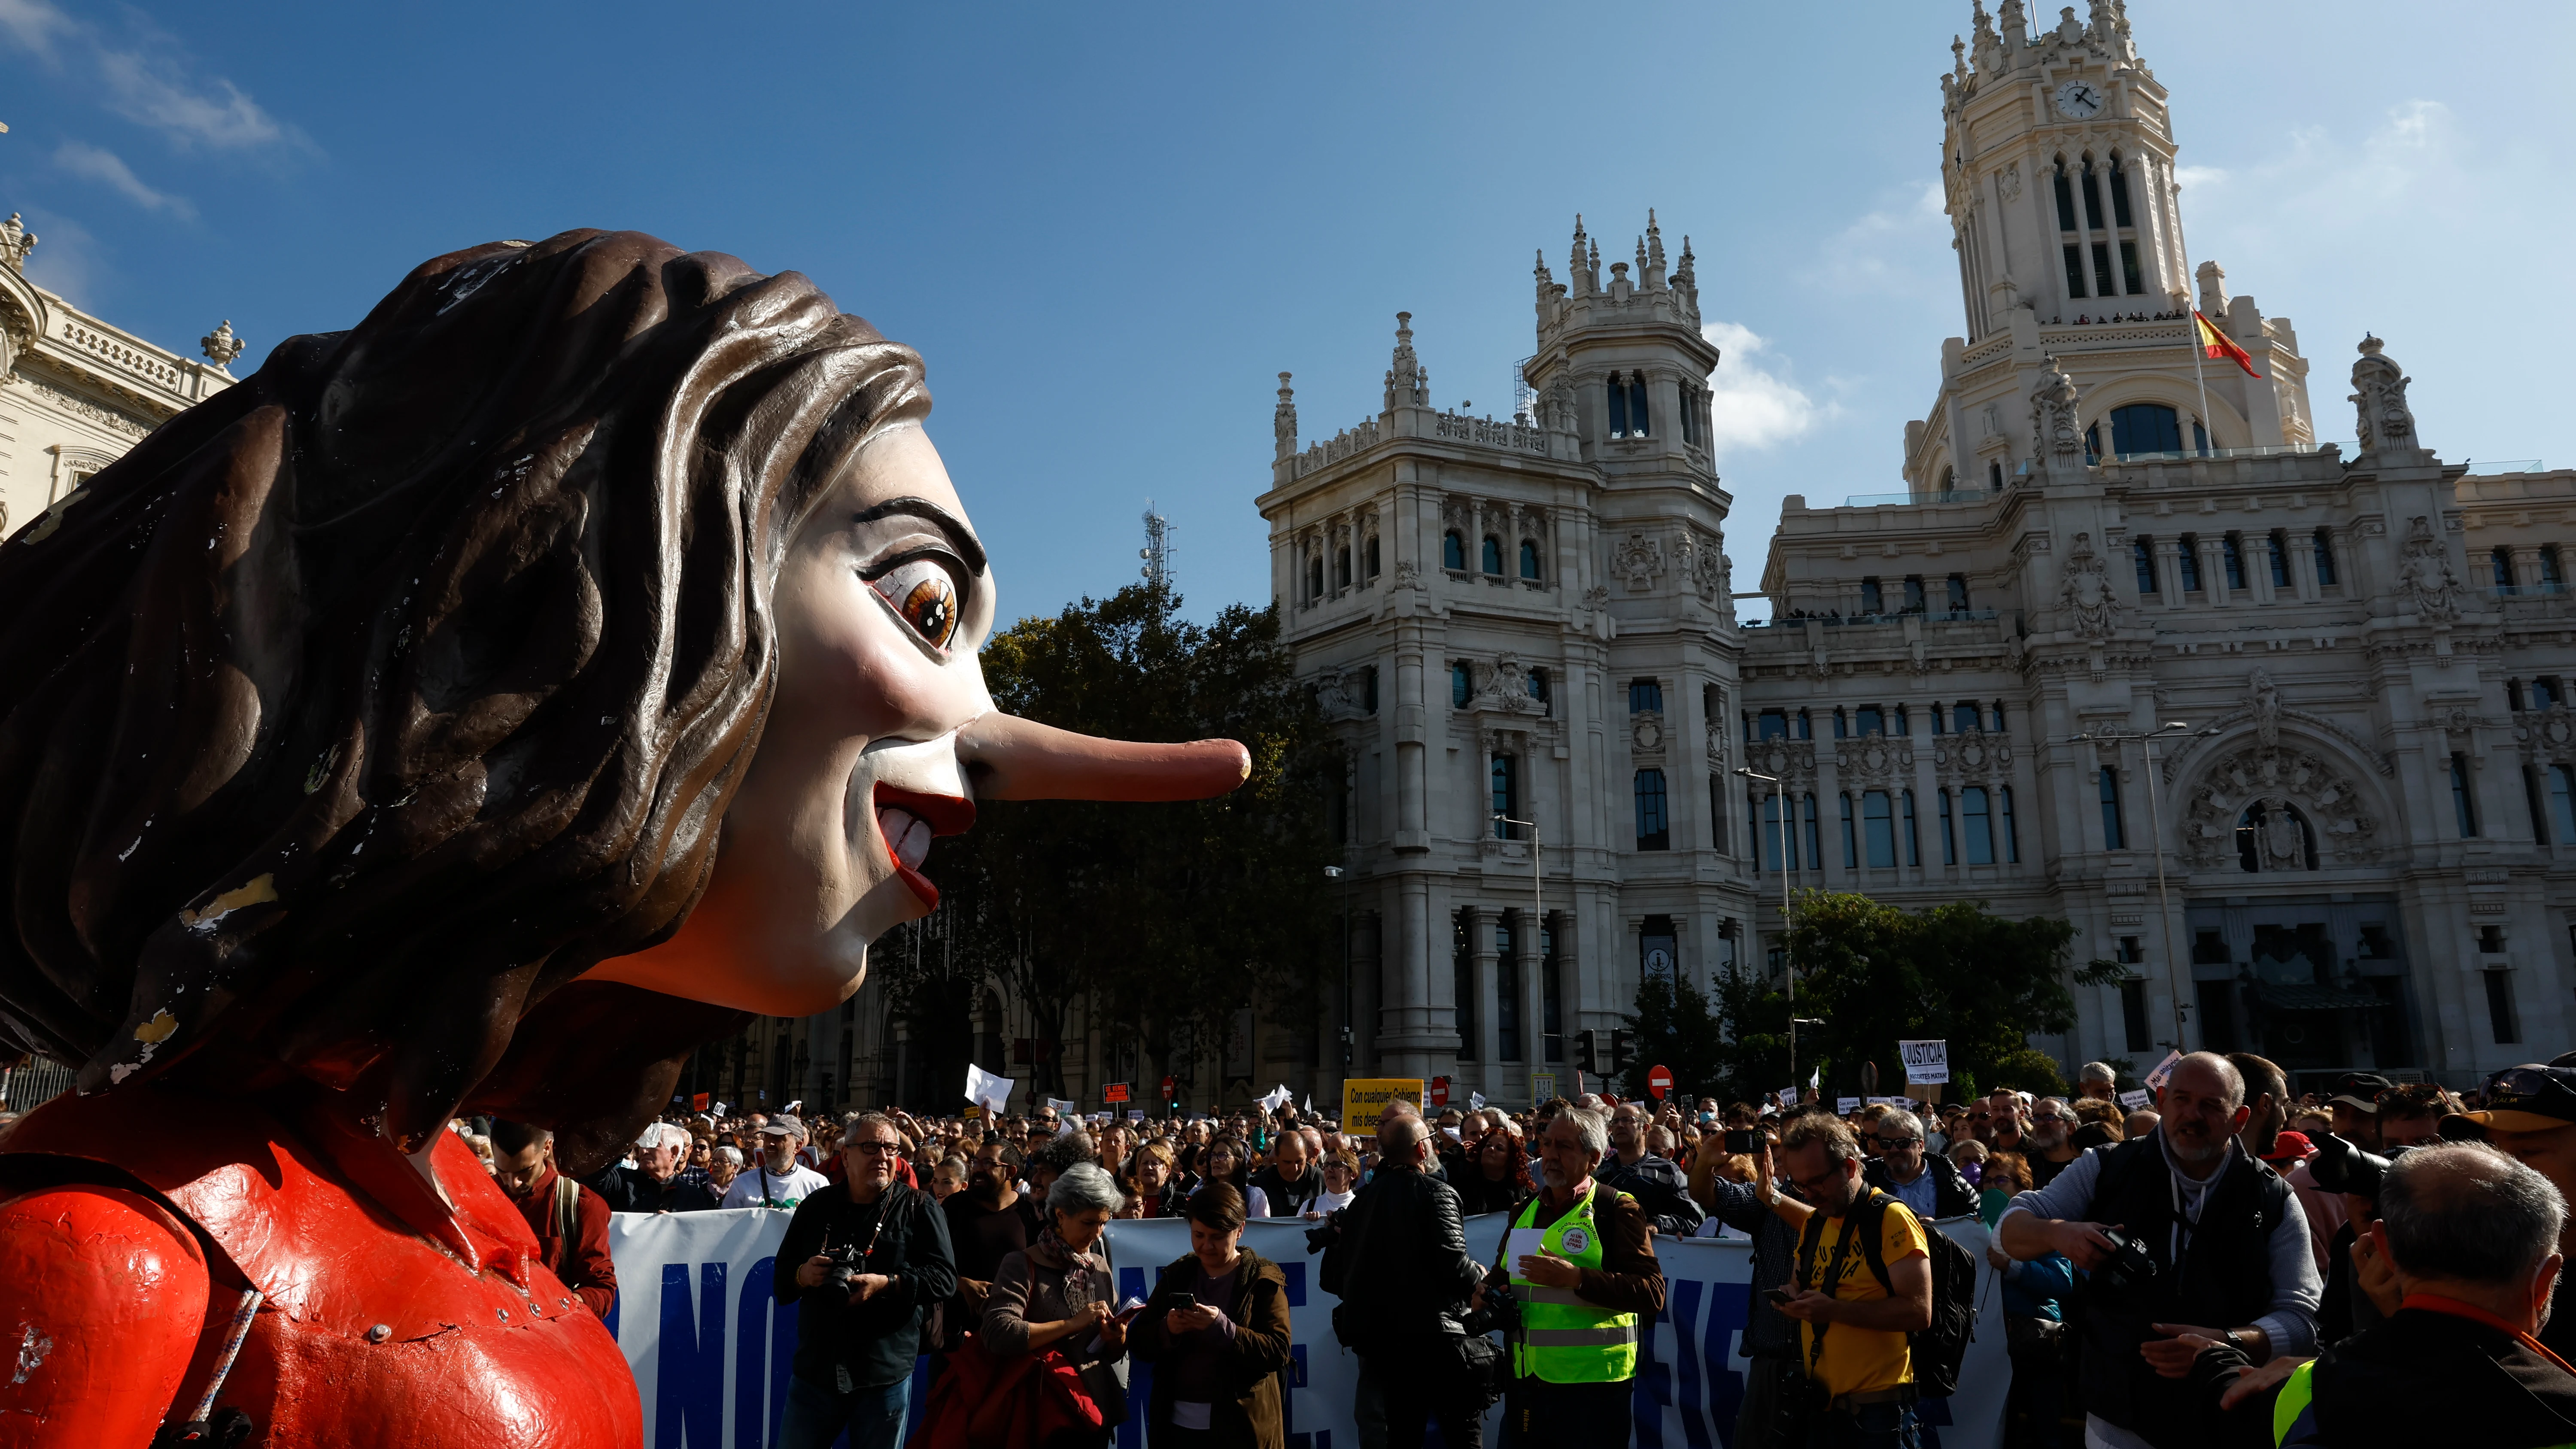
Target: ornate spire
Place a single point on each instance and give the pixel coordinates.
(1408, 383)
(1283, 421)
(1586, 279)
(1959, 62)
(1683, 273)
(1651, 265)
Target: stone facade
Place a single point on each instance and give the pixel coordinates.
(76, 391)
(2281, 726)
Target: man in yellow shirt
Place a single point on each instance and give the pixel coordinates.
(1855, 1298)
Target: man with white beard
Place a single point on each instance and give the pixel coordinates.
(2217, 1251)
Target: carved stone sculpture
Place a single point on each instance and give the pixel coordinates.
(2424, 578)
(2265, 698)
(2381, 418)
(1638, 558)
(2056, 431)
(2092, 610)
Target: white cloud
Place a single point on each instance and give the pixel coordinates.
(148, 78)
(153, 90)
(1885, 250)
(1752, 407)
(107, 167)
(33, 25)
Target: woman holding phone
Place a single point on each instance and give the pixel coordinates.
(1216, 1332)
(1057, 1294)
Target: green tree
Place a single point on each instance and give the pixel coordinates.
(1165, 918)
(1875, 974)
(1675, 1026)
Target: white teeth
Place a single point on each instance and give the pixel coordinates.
(907, 835)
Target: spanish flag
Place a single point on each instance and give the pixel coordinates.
(2215, 345)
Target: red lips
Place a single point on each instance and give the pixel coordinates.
(907, 821)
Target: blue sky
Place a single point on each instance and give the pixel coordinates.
(1108, 227)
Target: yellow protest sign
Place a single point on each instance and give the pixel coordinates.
(1364, 1097)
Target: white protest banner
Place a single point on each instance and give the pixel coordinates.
(986, 1090)
(1786, 1096)
(1927, 1063)
(1135, 1114)
(1542, 1087)
(1845, 1106)
(2163, 1069)
(710, 1349)
(2136, 1101)
(1891, 1102)
(1060, 1107)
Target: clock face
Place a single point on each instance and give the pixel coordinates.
(2079, 99)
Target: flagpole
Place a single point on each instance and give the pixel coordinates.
(2199, 349)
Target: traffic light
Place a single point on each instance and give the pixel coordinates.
(1587, 1052)
(1620, 1054)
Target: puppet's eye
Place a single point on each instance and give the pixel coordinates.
(925, 594)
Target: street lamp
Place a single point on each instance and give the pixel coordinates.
(1335, 872)
(2156, 831)
(1538, 905)
(1788, 859)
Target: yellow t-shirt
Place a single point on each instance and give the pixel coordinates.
(1857, 1360)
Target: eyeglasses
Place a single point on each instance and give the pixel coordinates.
(1891, 1144)
(876, 1147)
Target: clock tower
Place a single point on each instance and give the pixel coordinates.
(2057, 164)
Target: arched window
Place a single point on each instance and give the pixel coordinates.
(1493, 559)
(1964, 719)
(1618, 392)
(2500, 561)
(2065, 198)
(1538, 687)
(1977, 822)
(2552, 576)
(2280, 555)
(1507, 796)
(1806, 725)
(2325, 558)
(2187, 559)
(1342, 567)
(1654, 822)
(1995, 476)
(2562, 802)
(2144, 551)
(1529, 559)
(2012, 837)
(1851, 844)
(1461, 688)
(1314, 577)
(1815, 841)
(2113, 838)
(2145, 428)
(1913, 844)
(1636, 405)
(2232, 553)
(1453, 551)
(1949, 844)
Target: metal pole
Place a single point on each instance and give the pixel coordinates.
(2192, 312)
(2164, 897)
(1788, 861)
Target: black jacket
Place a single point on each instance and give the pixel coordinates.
(633, 1190)
(2417, 1378)
(1258, 1349)
(878, 1339)
(1400, 1264)
(1289, 1199)
(1951, 1195)
(1660, 1187)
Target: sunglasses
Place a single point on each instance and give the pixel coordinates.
(1890, 1144)
(2526, 1082)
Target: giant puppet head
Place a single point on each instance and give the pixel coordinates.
(480, 708)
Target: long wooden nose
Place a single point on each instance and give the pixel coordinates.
(1008, 758)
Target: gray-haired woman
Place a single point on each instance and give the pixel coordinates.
(1058, 1294)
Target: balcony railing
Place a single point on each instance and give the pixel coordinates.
(1844, 621)
(1890, 500)
(2527, 591)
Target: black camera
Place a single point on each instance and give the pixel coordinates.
(2342, 1166)
(847, 1263)
(2130, 1265)
(1502, 1311)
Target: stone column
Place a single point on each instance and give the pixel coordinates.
(2168, 549)
(1481, 951)
(2213, 569)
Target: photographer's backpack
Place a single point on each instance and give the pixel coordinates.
(1937, 1350)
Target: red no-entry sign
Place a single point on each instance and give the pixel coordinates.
(1659, 1080)
(1439, 1091)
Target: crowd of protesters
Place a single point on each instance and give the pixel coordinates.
(2232, 1264)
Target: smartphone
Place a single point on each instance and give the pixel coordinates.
(1778, 1296)
(1129, 1309)
(1743, 1140)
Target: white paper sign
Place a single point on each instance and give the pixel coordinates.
(1475, 1101)
(1927, 1063)
(1845, 1106)
(987, 1090)
(1135, 1114)
(1062, 1108)
(1786, 1096)
(2164, 1069)
(2136, 1101)
(1522, 1243)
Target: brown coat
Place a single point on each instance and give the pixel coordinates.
(1042, 1284)
(1253, 1418)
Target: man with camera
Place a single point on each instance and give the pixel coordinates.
(2185, 1235)
(1397, 1260)
(2471, 1239)
(871, 1259)
(1580, 1265)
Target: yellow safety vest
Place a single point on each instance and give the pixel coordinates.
(2290, 1409)
(1564, 1340)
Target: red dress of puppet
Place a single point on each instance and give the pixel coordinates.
(473, 711)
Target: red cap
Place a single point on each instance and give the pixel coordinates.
(2291, 1147)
